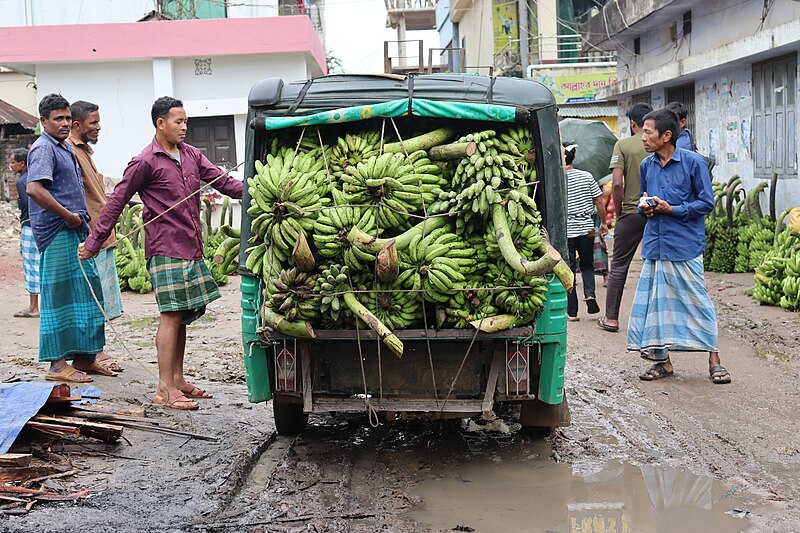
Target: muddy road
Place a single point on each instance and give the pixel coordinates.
(681, 454)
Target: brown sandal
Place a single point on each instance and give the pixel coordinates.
(108, 362)
(191, 391)
(178, 401)
(70, 374)
(96, 368)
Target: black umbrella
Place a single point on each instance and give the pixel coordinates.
(595, 142)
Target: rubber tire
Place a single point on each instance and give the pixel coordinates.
(290, 419)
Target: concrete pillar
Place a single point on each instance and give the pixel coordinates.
(547, 17)
(401, 37)
(163, 84)
(523, 36)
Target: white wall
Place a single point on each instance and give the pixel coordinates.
(124, 92)
(475, 25)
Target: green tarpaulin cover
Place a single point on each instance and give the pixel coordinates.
(398, 108)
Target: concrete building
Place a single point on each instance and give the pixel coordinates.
(123, 67)
(732, 62)
(535, 40)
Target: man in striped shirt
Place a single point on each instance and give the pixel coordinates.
(583, 197)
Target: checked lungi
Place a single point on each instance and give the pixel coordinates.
(672, 310)
(107, 270)
(71, 323)
(30, 260)
(182, 285)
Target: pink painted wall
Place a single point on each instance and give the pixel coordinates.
(146, 40)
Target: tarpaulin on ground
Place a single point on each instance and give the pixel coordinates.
(18, 403)
(397, 108)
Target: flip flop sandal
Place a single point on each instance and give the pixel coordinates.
(573, 318)
(656, 372)
(25, 314)
(97, 368)
(191, 391)
(719, 378)
(591, 306)
(601, 323)
(70, 374)
(178, 402)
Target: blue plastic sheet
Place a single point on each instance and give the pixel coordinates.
(18, 403)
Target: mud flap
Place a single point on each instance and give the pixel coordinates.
(536, 413)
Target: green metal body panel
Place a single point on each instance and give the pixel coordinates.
(255, 355)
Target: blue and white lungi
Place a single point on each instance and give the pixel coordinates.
(672, 310)
(107, 270)
(30, 260)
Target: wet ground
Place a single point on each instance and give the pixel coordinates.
(677, 455)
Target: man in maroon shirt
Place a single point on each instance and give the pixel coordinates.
(165, 173)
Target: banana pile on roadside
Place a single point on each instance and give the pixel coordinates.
(777, 278)
(358, 232)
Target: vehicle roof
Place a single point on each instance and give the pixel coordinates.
(275, 97)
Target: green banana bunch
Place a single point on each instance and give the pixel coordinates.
(518, 142)
(332, 228)
(436, 263)
(334, 280)
(285, 199)
(478, 180)
(527, 239)
(768, 278)
(466, 306)
(395, 184)
(294, 294)
(353, 149)
(308, 145)
(396, 309)
(523, 298)
(131, 266)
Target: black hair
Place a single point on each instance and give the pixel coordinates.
(665, 120)
(82, 109)
(569, 155)
(637, 112)
(20, 155)
(162, 106)
(52, 102)
(679, 109)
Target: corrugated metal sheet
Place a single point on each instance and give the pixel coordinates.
(587, 110)
(13, 115)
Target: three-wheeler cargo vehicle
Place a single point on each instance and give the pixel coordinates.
(443, 373)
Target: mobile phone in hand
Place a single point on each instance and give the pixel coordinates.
(651, 202)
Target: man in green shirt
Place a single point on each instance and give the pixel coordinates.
(625, 160)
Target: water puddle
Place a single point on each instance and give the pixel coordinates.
(539, 495)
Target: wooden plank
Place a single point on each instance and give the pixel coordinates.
(305, 361)
(15, 459)
(135, 413)
(498, 361)
(55, 429)
(24, 473)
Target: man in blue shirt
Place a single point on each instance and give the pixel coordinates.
(684, 139)
(71, 322)
(18, 163)
(672, 310)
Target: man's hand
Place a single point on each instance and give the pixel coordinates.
(84, 253)
(73, 220)
(603, 230)
(662, 208)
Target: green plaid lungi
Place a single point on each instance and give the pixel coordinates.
(182, 285)
(71, 323)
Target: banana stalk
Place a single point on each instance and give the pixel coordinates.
(453, 151)
(294, 328)
(387, 264)
(301, 253)
(493, 324)
(539, 267)
(422, 142)
(367, 243)
(385, 334)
